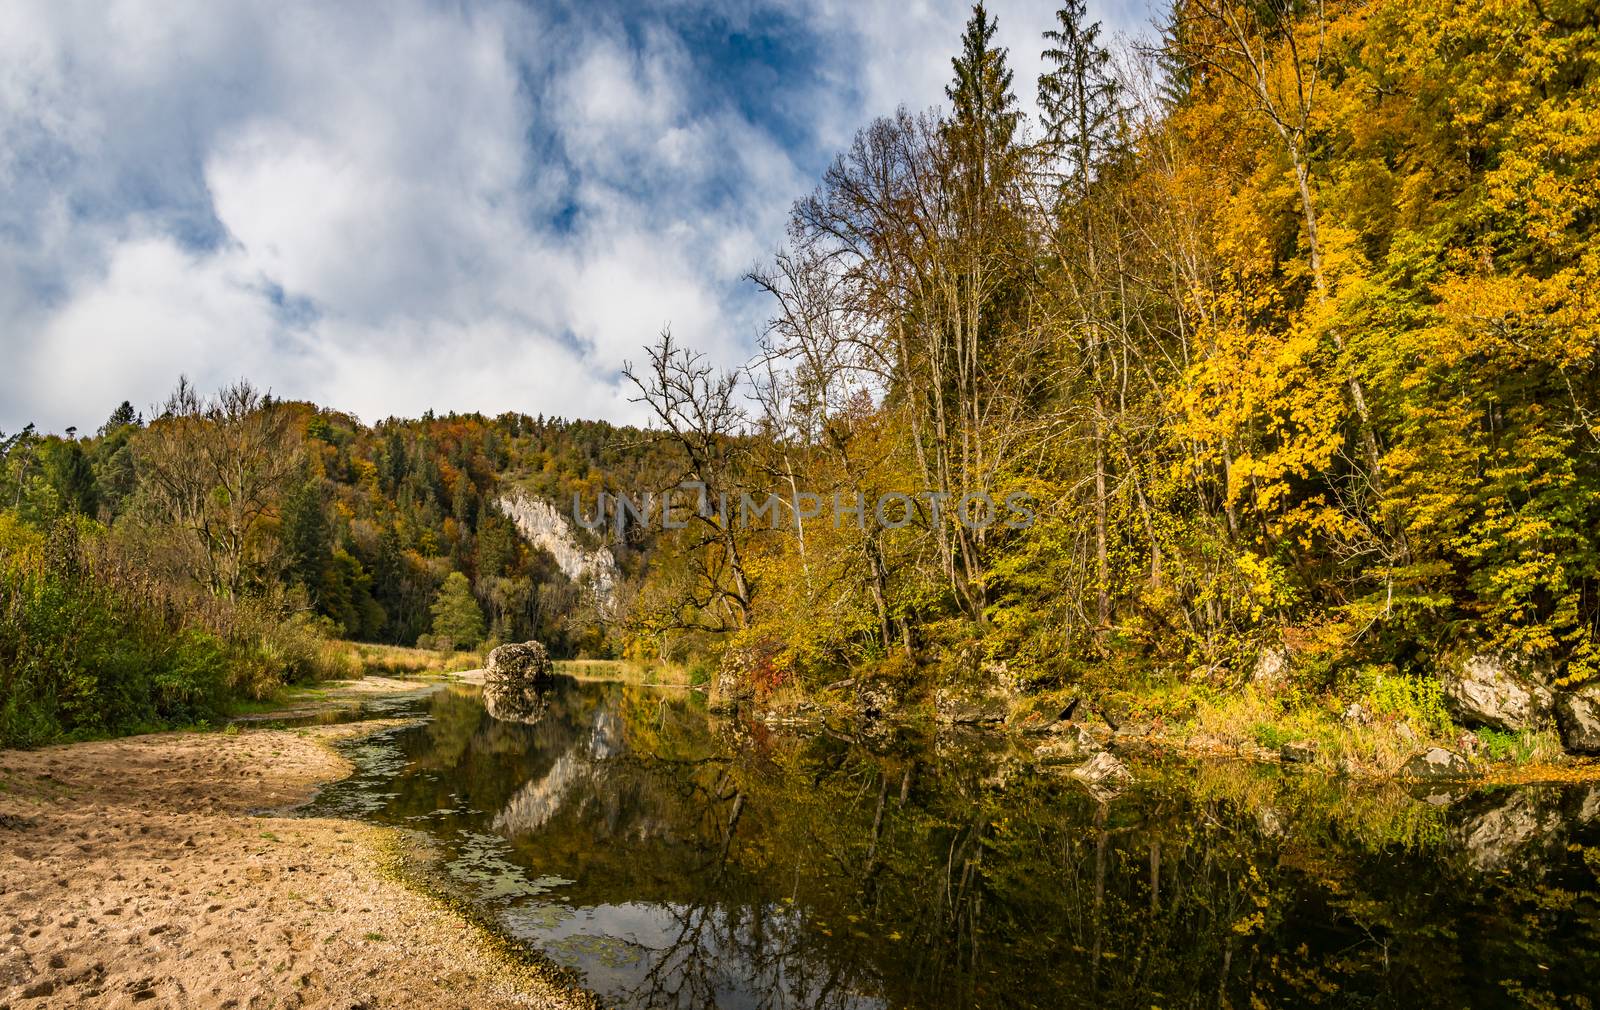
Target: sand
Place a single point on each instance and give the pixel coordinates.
(138, 872)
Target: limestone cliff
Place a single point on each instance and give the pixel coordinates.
(544, 526)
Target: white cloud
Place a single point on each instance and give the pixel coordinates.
(392, 207)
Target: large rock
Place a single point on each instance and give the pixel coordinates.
(1437, 765)
(1298, 752)
(519, 663)
(1273, 666)
(1498, 691)
(742, 667)
(514, 679)
(1578, 718)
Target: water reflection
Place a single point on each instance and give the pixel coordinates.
(676, 860)
(516, 703)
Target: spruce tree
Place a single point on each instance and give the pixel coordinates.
(983, 124)
(307, 540)
(1078, 99)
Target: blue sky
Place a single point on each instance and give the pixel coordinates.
(389, 207)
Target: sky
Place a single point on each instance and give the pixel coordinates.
(457, 205)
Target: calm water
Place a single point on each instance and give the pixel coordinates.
(675, 860)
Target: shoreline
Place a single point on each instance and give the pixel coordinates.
(171, 867)
(169, 870)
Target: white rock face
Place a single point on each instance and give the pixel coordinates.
(544, 526)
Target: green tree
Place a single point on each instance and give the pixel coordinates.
(984, 115)
(122, 417)
(72, 477)
(1078, 98)
(457, 620)
(307, 539)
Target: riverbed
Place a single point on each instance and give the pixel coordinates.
(666, 858)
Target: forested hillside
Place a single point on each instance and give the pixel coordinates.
(1287, 326)
(159, 567)
(1290, 325)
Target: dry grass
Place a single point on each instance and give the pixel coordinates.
(624, 670)
(373, 660)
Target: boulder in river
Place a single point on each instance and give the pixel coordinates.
(1436, 765)
(514, 679)
(1103, 774)
(1578, 718)
(1500, 691)
(517, 663)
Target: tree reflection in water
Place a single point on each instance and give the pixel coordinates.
(718, 864)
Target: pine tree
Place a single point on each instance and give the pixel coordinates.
(457, 620)
(72, 477)
(120, 418)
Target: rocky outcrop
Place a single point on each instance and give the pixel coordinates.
(543, 525)
(1498, 691)
(878, 698)
(1436, 765)
(1578, 719)
(741, 669)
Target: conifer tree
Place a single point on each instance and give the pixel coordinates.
(1078, 99)
(984, 115)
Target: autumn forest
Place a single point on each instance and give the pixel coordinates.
(1288, 324)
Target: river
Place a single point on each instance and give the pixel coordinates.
(671, 859)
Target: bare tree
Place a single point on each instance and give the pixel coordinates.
(818, 368)
(925, 273)
(211, 469)
(698, 413)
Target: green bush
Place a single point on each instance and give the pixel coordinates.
(1501, 746)
(1271, 736)
(1417, 700)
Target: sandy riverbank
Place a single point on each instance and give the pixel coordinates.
(134, 873)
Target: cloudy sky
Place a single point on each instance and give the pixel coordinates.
(456, 204)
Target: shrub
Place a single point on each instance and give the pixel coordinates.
(1502, 746)
(90, 648)
(1417, 700)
